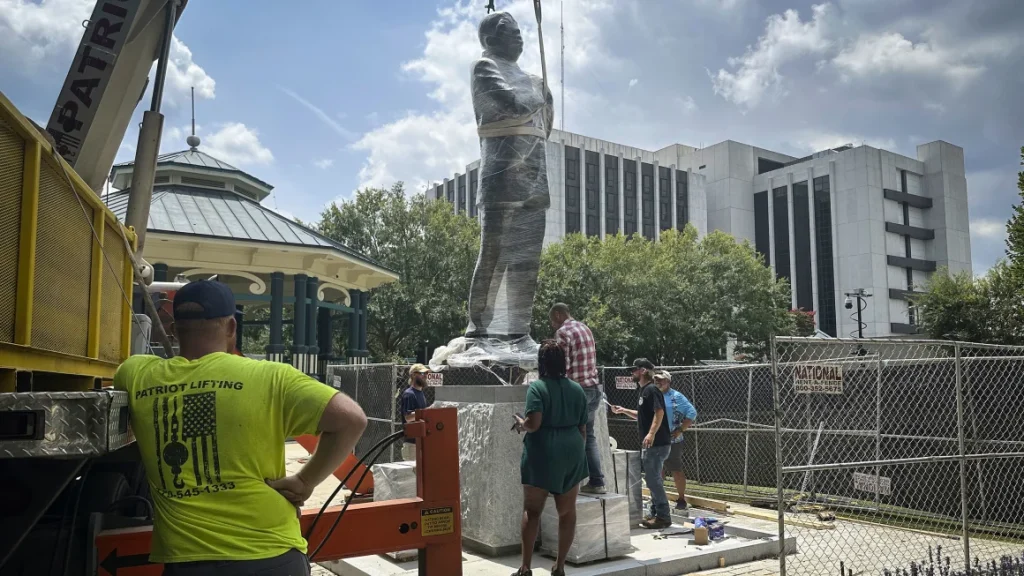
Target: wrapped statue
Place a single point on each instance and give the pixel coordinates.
(514, 114)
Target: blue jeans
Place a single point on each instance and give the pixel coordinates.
(594, 396)
(653, 460)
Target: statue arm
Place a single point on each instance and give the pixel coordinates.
(488, 80)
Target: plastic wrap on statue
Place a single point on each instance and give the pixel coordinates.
(514, 114)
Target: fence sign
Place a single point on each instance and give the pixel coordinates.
(435, 379)
(624, 383)
(818, 378)
(336, 381)
(871, 483)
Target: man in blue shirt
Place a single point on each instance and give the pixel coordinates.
(681, 415)
(412, 400)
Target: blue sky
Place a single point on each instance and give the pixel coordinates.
(322, 97)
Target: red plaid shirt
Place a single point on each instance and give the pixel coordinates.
(580, 352)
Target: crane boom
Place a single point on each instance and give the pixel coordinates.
(105, 83)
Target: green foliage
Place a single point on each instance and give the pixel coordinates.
(675, 301)
(431, 248)
(1015, 227)
(803, 322)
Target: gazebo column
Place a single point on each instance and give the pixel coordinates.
(364, 315)
(299, 324)
(325, 339)
(275, 349)
(353, 327)
(312, 362)
(239, 324)
(160, 272)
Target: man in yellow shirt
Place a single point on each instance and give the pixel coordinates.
(211, 429)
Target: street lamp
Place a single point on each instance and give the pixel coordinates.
(861, 295)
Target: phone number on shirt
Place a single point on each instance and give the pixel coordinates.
(198, 490)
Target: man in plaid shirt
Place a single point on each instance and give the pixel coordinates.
(581, 367)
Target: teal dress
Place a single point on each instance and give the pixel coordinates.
(555, 457)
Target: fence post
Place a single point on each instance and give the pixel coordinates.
(878, 433)
(963, 454)
(780, 496)
(394, 409)
(746, 442)
(696, 433)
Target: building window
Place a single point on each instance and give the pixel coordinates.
(664, 198)
(682, 199)
(647, 199)
(572, 190)
(823, 245)
(439, 192)
(474, 177)
(781, 220)
(462, 194)
(611, 194)
(449, 191)
(802, 248)
(762, 235)
(629, 196)
(592, 182)
(766, 165)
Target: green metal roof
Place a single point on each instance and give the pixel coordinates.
(194, 158)
(192, 211)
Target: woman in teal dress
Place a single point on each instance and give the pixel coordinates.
(554, 453)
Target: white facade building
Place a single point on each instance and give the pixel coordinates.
(839, 220)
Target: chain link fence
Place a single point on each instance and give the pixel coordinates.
(915, 448)
(920, 440)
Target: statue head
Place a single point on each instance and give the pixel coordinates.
(499, 35)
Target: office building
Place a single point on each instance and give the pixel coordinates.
(853, 217)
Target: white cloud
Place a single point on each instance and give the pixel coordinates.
(687, 104)
(232, 142)
(47, 33)
(183, 74)
(891, 53)
(422, 146)
(786, 38)
(633, 82)
(323, 163)
(817, 141)
(988, 228)
(324, 117)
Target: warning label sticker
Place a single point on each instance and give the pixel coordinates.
(437, 521)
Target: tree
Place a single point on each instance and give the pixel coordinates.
(431, 248)
(674, 301)
(803, 322)
(956, 307)
(1015, 227)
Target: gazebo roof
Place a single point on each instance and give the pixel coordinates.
(223, 214)
(193, 158)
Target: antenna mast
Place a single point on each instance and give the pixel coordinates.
(561, 7)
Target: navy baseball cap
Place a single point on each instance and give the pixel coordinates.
(214, 300)
(638, 363)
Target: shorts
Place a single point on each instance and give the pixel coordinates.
(674, 462)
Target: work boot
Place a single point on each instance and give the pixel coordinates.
(523, 572)
(681, 505)
(591, 489)
(656, 524)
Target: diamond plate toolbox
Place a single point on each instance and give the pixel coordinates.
(65, 424)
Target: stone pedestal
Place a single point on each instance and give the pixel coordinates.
(489, 458)
(602, 529)
(625, 479)
(392, 482)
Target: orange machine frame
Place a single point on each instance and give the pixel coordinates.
(431, 522)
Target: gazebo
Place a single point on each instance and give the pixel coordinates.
(206, 219)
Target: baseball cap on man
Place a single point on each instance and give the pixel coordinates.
(212, 300)
(418, 369)
(662, 375)
(643, 363)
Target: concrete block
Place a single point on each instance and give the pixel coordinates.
(392, 482)
(602, 529)
(626, 480)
